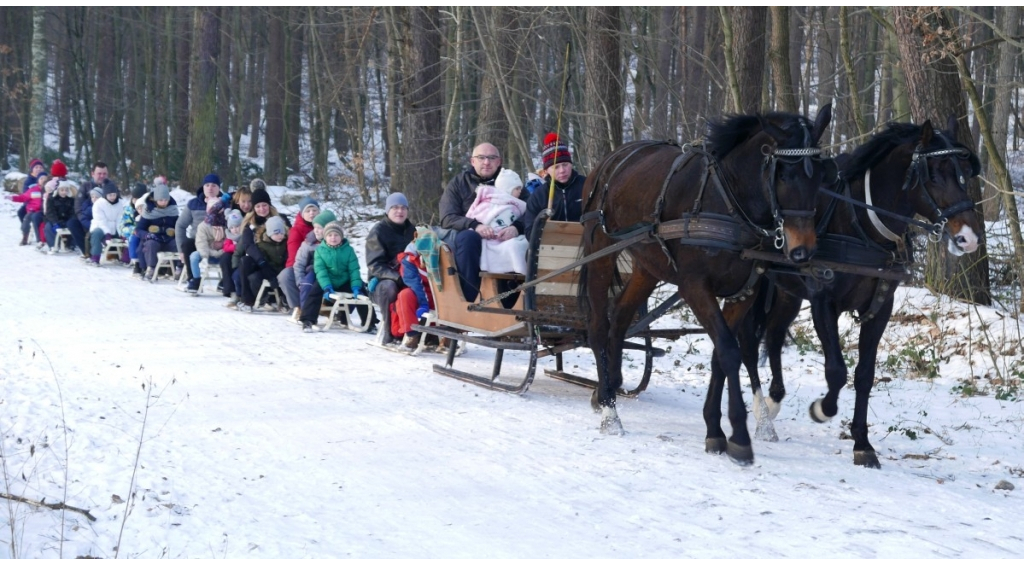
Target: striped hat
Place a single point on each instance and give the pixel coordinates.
(556, 150)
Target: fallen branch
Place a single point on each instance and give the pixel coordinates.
(60, 505)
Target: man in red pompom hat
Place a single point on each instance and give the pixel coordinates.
(568, 203)
(485, 164)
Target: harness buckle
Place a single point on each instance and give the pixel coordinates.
(780, 235)
(938, 231)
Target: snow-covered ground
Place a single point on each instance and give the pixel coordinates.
(245, 437)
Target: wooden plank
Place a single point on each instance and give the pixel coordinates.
(567, 277)
(563, 251)
(564, 227)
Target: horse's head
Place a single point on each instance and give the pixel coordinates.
(937, 179)
(792, 173)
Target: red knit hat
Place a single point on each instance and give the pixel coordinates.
(556, 150)
(33, 164)
(58, 169)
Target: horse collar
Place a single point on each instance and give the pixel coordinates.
(875, 221)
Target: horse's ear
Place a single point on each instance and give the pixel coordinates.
(821, 122)
(776, 132)
(952, 126)
(927, 132)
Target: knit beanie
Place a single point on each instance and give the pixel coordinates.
(275, 226)
(396, 199)
(257, 184)
(58, 169)
(334, 227)
(211, 179)
(306, 202)
(97, 191)
(556, 150)
(508, 181)
(324, 218)
(109, 189)
(33, 164)
(139, 190)
(160, 180)
(234, 218)
(260, 196)
(215, 216)
(161, 192)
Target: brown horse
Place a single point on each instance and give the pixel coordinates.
(752, 184)
(904, 170)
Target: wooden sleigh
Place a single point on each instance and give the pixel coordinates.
(545, 320)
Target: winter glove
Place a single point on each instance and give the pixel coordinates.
(328, 290)
(423, 310)
(372, 285)
(225, 197)
(356, 291)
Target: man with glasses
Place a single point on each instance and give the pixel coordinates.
(458, 196)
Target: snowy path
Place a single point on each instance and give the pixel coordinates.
(262, 441)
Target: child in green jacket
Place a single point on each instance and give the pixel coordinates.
(337, 270)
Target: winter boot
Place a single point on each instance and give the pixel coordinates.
(24, 240)
(94, 260)
(193, 286)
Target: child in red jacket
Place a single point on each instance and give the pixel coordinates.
(33, 200)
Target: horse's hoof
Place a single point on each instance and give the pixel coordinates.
(741, 455)
(765, 431)
(866, 458)
(610, 423)
(817, 413)
(714, 445)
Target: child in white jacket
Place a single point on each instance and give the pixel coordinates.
(106, 212)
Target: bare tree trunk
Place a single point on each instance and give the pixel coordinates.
(663, 128)
(104, 93)
(603, 94)
(850, 72)
(275, 86)
(257, 81)
(293, 90)
(1009, 57)
(827, 46)
(221, 136)
(935, 92)
(749, 26)
(782, 73)
(424, 101)
(39, 78)
(183, 40)
(200, 153)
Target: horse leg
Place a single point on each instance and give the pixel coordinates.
(598, 282)
(725, 367)
(784, 311)
(748, 332)
(826, 324)
(863, 380)
(621, 316)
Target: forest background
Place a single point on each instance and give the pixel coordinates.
(394, 98)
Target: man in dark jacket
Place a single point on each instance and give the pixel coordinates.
(568, 202)
(455, 202)
(389, 237)
(79, 225)
(194, 215)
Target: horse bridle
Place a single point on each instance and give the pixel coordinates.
(779, 214)
(918, 173)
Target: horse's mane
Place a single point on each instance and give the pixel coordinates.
(894, 135)
(725, 134)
